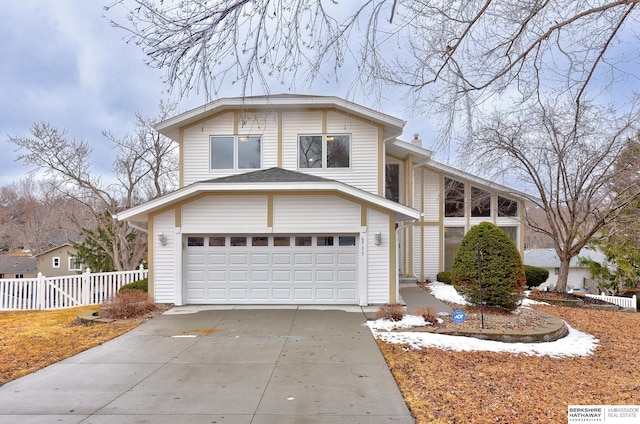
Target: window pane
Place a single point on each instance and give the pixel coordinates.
(238, 241)
(325, 241)
(221, 152)
(338, 151)
(452, 238)
(454, 198)
(260, 241)
(480, 202)
(195, 241)
(392, 182)
(248, 152)
(217, 241)
(512, 232)
(310, 151)
(507, 207)
(281, 241)
(303, 241)
(347, 240)
(75, 264)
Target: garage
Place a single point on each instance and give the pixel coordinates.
(284, 269)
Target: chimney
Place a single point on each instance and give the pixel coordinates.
(416, 140)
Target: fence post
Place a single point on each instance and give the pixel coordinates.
(86, 287)
(40, 297)
(635, 302)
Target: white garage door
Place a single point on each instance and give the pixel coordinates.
(304, 269)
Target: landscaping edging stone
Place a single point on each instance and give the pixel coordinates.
(92, 317)
(554, 329)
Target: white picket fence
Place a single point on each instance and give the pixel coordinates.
(44, 293)
(625, 302)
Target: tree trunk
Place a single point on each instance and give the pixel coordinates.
(561, 284)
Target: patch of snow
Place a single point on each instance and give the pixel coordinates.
(446, 293)
(576, 343)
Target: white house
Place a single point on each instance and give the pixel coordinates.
(548, 259)
(293, 199)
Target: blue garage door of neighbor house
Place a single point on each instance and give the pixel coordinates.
(283, 269)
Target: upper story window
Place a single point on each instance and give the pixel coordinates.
(507, 207)
(56, 262)
(480, 202)
(453, 198)
(235, 152)
(392, 182)
(324, 151)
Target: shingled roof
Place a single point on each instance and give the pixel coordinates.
(271, 175)
(10, 264)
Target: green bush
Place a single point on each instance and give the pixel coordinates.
(142, 285)
(444, 277)
(501, 270)
(535, 275)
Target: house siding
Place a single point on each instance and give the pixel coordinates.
(164, 261)
(426, 262)
(305, 214)
(378, 283)
(225, 214)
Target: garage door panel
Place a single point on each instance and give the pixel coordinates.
(305, 276)
(260, 259)
(347, 259)
(281, 294)
(325, 259)
(325, 276)
(302, 259)
(261, 276)
(281, 258)
(271, 274)
(195, 259)
(238, 259)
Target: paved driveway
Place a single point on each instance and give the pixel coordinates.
(240, 365)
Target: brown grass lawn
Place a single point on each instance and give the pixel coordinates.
(31, 340)
(484, 387)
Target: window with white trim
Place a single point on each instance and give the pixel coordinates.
(55, 262)
(324, 151)
(235, 152)
(75, 263)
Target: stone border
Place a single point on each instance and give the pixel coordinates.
(92, 317)
(554, 329)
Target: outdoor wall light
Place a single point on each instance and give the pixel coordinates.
(162, 239)
(378, 238)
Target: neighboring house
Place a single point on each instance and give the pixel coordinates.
(14, 265)
(548, 259)
(296, 199)
(59, 261)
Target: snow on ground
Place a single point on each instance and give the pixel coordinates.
(576, 343)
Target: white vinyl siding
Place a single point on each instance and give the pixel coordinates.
(221, 214)
(378, 258)
(195, 150)
(431, 251)
(295, 214)
(164, 262)
(295, 123)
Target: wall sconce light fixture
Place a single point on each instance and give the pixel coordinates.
(378, 238)
(162, 239)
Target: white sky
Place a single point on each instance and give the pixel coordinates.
(64, 64)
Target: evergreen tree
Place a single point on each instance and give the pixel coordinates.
(501, 277)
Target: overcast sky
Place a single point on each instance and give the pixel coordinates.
(64, 64)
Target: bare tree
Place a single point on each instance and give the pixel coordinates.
(451, 55)
(140, 173)
(31, 216)
(571, 168)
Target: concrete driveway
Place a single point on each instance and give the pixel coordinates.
(219, 365)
